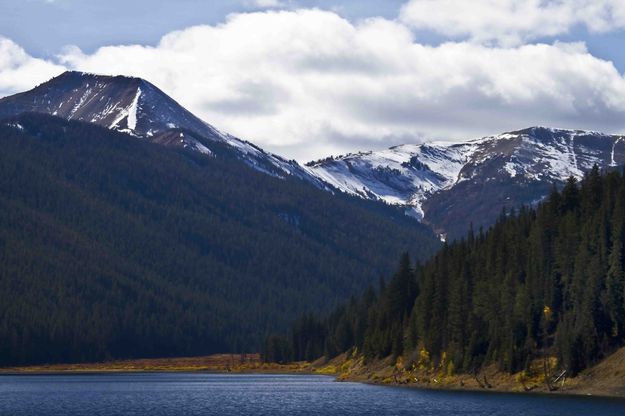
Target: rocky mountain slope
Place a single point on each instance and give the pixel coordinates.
(451, 185)
(137, 107)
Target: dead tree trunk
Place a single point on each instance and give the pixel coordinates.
(547, 375)
(487, 383)
(475, 376)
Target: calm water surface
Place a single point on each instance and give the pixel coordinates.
(209, 394)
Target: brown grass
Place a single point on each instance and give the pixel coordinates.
(223, 363)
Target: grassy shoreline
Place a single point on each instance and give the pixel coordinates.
(217, 363)
(606, 379)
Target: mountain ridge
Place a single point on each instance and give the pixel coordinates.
(135, 106)
(446, 185)
(433, 179)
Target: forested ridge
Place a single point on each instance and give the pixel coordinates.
(111, 247)
(542, 282)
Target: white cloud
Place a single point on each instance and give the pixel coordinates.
(511, 22)
(267, 4)
(19, 71)
(308, 83)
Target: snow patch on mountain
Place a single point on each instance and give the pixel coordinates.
(612, 159)
(129, 114)
(81, 101)
(17, 126)
(132, 111)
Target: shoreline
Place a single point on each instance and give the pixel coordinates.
(606, 379)
(555, 394)
(464, 390)
(343, 369)
(216, 363)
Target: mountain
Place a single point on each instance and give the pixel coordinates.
(137, 107)
(113, 247)
(452, 185)
(447, 186)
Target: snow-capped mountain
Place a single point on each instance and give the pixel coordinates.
(402, 175)
(137, 107)
(451, 186)
(446, 185)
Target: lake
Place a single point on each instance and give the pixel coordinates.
(158, 394)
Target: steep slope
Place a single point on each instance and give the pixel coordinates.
(125, 104)
(540, 292)
(402, 175)
(604, 379)
(450, 186)
(111, 247)
(137, 107)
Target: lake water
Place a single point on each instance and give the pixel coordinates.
(211, 394)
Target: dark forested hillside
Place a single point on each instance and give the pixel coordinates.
(111, 247)
(542, 282)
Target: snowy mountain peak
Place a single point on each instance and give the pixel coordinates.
(127, 104)
(137, 107)
(437, 181)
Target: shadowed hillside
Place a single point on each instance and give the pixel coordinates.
(111, 247)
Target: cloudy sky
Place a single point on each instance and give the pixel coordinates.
(308, 78)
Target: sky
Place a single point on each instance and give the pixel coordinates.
(310, 78)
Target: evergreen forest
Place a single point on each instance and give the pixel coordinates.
(112, 247)
(547, 281)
